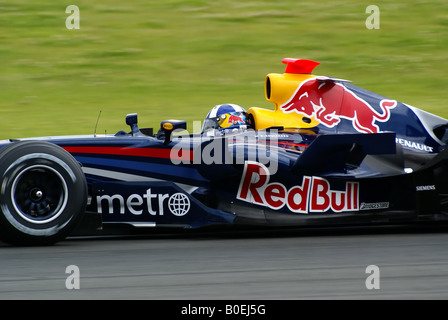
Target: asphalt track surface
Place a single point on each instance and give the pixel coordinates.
(277, 264)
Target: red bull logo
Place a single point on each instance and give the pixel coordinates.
(329, 102)
(313, 195)
(229, 119)
(235, 120)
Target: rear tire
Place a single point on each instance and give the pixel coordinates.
(43, 193)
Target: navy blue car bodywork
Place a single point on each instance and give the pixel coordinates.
(324, 175)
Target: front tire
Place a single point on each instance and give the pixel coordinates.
(43, 193)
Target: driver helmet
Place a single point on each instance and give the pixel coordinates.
(226, 118)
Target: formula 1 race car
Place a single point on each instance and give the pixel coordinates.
(329, 153)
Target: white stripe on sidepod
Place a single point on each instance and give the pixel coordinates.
(131, 177)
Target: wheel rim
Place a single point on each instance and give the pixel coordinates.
(39, 194)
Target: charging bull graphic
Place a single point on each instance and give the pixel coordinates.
(235, 120)
(231, 120)
(328, 102)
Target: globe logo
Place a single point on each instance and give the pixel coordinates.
(179, 204)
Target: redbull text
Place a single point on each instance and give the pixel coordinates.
(313, 195)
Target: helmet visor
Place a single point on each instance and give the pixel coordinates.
(210, 123)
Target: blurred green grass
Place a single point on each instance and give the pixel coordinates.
(176, 59)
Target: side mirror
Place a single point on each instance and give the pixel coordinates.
(131, 120)
(168, 126)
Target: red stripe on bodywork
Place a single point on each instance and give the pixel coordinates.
(137, 152)
(286, 143)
